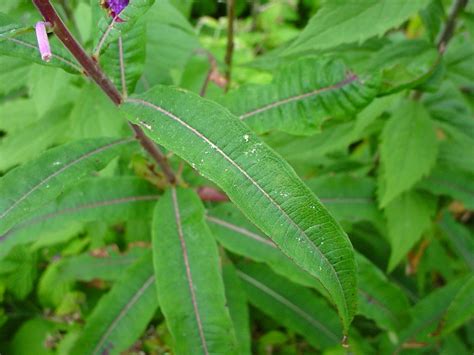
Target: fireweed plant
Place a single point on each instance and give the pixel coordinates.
(137, 216)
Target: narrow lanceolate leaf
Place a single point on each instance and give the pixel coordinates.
(460, 310)
(302, 96)
(378, 299)
(427, 314)
(293, 306)
(348, 21)
(34, 184)
(257, 180)
(122, 315)
(110, 29)
(238, 308)
(460, 238)
(408, 216)
(124, 59)
(189, 282)
(18, 41)
(109, 200)
(408, 150)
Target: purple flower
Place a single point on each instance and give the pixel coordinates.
(43, 42)
(115, 7)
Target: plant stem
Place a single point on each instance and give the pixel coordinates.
(230, 41)
(450, 26)
(93, 70)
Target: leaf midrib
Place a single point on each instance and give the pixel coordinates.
(299, 97)
(62, 169)
(123, 312)
(254, 183)
(189, 277)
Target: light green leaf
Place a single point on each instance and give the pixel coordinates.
(18, 271)
(291, 305)
(188, 279)
(122, 315)
(408, 150)
(111, 29)
(348, 21)
(238, 308)
(109, 200)
(19, 41)
(408, 216)
(302, 96)
(257, 180)
(32, 185)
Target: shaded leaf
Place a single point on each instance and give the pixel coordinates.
(121, 315)
(257, 180)
(188, 279)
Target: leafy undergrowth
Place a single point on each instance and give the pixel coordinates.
(308, 190)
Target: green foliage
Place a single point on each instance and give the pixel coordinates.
(317, 193)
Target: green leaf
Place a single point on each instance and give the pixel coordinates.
(60, 276)
(408, 216)
(32, 185)
(20, 41)
(408, 149)
(238, 235)
(349, 198)
(427, 313)
(461, 308)
(257, 180)
(349, 21)
(460, 238)
(379, 299)
(18, 271)
(109, 200)
(111, 29)
(129, 55)
(302, 96)
(238, 308)
(444, 180)
(188, 279)
(295, 307)
(122, 315)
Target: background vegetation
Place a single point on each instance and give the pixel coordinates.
(370, 101)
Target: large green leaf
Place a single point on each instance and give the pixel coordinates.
(378, 298)
(111, 29)
(110, 200)
(188, 279)
(408, 150)
(122, 315)
(347, 21)
(302, 96)
(291, 305)
(34, 184)
(19, 41)
(408, 216)
(257, 180)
